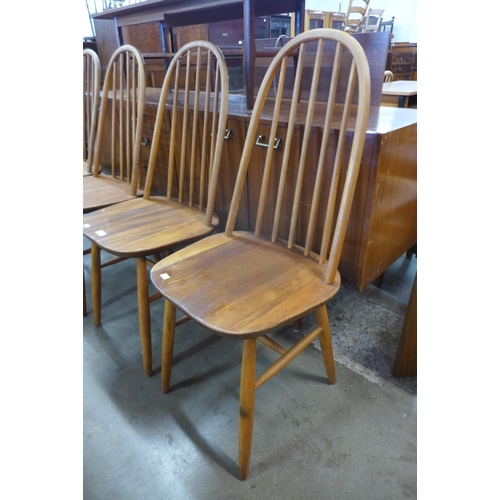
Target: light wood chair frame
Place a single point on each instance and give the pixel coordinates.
(356, 12)
(91, 100)
(339, 202)
(124, 78)
(121, 116)
(201, 119)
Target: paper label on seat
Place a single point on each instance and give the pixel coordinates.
(100, 233)
(164, 276)
(86, 226)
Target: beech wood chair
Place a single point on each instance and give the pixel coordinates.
(243, 285)
(388, 76)
(192, 112)
(355, 14)
(91, 99)
(120, 123)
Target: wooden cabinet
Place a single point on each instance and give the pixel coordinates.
(383, 221)
(159, 179)
(148, 38)
(402, 61)
(235, 137)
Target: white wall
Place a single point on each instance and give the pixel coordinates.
(404, 11)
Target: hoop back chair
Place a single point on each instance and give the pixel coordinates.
(244, 284)
(190, 125)
(91, 98)
(388, 76)
(355, 14)
(372, 20)
(120, 126)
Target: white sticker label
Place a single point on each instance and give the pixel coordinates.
(100, 233)
(165, 276)
(86, 226)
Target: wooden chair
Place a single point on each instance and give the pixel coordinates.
(335, 20)
(356, 11)
(314, 19)
(388, 76)
(120, 124)
(241, 284)
(91, 99)
(372, 20)
(194, 122)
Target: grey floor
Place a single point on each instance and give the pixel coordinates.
(352, 440)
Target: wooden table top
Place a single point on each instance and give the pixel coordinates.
(400, 87)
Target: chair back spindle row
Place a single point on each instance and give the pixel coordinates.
(122, 110)
(91, 99)
(191, 104)
(322, 202)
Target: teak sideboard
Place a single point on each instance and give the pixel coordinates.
(383, 222)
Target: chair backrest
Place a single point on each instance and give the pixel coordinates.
(314, 19)
(356, 11)
(122, 115)
(388, 76)
(307, 176)
(192, 112)
(91, 99)
(372, 20)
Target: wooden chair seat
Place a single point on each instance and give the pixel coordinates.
(251, 286)
(105, 190)
(146, 226)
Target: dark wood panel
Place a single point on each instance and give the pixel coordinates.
(107, 40)
(148, 38)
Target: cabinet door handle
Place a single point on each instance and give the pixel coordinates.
(227, 135)
(260, 142)
(145, 141)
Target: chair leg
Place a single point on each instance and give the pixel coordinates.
(144, 314)
(84, 296)
(96, 283)
(247, 393)
(325, 340)
(167, 348)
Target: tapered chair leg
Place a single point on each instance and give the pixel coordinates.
(96, 283)
(84, 296)
(325, 340)
(167, 349)
(247, 396)
(144, 314)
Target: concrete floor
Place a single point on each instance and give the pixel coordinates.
(352, 440)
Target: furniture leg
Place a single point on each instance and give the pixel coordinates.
(96, 283)
(247, 396)
(167, 348)
(325, 340)
(405, 364)
(144, 315)
(84, 297)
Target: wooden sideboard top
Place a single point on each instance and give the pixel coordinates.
(382, 120)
